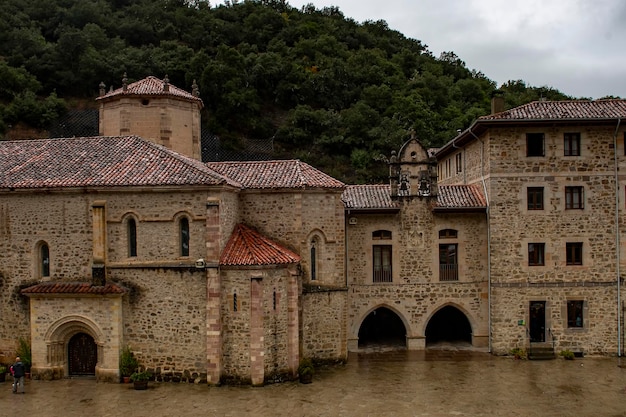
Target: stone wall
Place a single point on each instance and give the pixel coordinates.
(324, 313)
(597, 337)
(514, 228)
(416, 291)
(172, 123)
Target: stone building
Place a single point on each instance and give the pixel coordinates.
(234, 271)
(553, 179)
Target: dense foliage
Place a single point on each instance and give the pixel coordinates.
(328, 90)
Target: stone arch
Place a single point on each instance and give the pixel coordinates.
(393, 328)
(58, 336)
(459, 324)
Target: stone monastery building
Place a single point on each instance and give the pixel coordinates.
(508, 236)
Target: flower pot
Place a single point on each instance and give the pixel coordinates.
(140, 385)
(306, 378)
(126, 379)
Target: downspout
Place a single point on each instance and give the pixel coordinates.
(487, 214)
(617, 241)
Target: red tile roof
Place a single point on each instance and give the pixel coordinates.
(150, 86)
(275, 174)
(450, 197)
(460, 197)
(563, 110)
(567, 111)
(73, 288)
(247, 247)
(368, 197)
(98, 162)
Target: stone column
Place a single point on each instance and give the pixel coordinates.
(293, 325)
(257, 343)
(214, 294)
(213, 327)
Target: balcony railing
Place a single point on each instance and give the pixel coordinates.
(382, 274)
(448, 272)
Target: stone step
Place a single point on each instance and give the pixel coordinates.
(541, 353)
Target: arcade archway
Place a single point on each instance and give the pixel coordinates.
(382, 328)
(448, 325)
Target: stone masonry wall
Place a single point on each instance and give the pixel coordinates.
(416, 291)
(514, 228)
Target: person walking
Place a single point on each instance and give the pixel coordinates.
(18, 375)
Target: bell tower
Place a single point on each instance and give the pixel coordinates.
(412, 173)
(154, 110)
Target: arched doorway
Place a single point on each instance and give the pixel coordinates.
(448, 325)
(82, 355)
(382, 327)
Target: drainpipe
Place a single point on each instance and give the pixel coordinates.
(487, 214)
(617, 242)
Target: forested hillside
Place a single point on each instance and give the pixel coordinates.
(326, 89)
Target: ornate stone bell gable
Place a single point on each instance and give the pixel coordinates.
(412, 172)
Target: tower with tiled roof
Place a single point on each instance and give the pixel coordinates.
(155, 110)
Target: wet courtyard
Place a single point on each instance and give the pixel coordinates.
(396, 383)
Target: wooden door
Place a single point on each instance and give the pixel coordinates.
(82, 355)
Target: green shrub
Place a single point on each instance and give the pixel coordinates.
(128, 362)
(567, 354)
(518, 353)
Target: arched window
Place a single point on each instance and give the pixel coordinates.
(313, 259)
(44, 260)
(184, 236)
(132, 237)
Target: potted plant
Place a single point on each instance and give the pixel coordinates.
(518, 353)
(567, 354)
(128, 364)
(3, 373)
(140, 379)
(306, 371)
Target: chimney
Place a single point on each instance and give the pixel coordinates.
(497, 102)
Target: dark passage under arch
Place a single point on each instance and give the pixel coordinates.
(448, 325)
(382, 327)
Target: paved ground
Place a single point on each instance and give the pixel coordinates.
(432, 383)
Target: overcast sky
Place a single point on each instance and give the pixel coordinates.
(575, 46)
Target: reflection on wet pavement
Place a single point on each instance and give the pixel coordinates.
(436, 382)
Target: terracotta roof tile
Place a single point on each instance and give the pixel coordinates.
(460, 197)
(73, 288)
(275, 174)
(558, 110)
(150, 86)
(247, 247)
(368, 197)
(98, 162)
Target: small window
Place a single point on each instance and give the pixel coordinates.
(235, 302)
(184, 237)
(448, 234)
(571, 144)
(44, 260)
(448, 262)
(132, 238)
(536, 253)
(535, 144)
(313, 259)
(574, 198)
(459, 163)
(574, 254)
(534, 198)
(575, 313)
(382, 263)
(381, 235)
